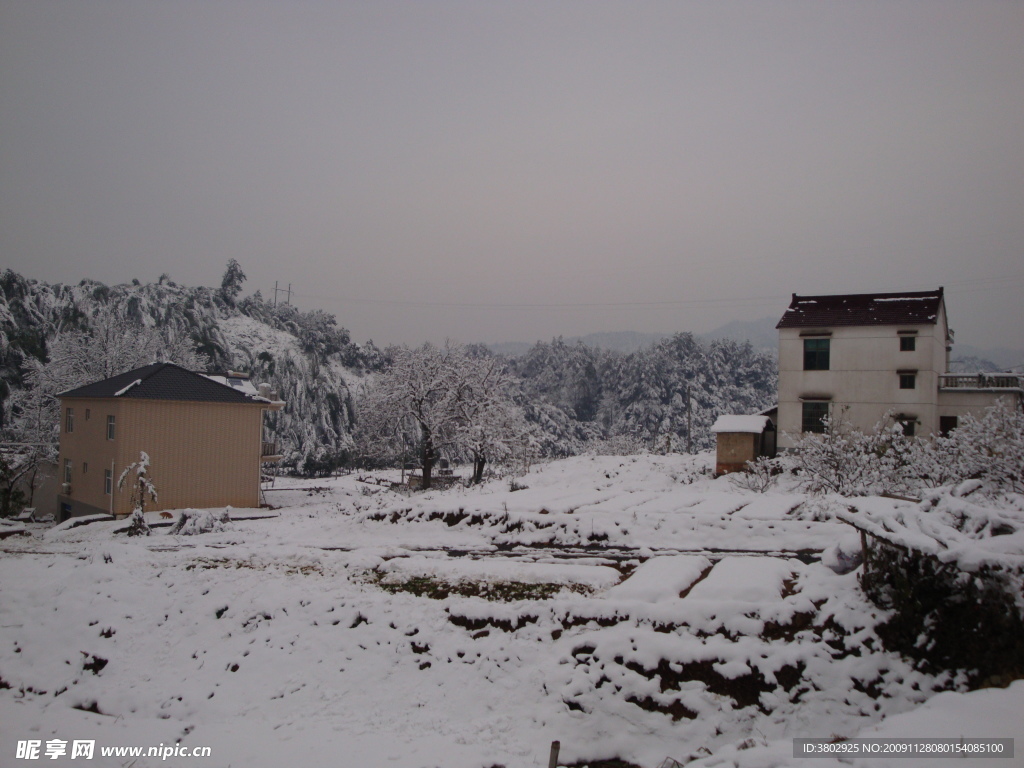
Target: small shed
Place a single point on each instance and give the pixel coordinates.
(742, 439)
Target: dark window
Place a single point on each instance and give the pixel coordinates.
(908, 343)
(85, 467)
(67, 470)
(947, 424)
(108, 481)
(88, 413)
(69, 420)
(110, 427)
(816, 354)
(908, 423)
(908, 381)
(813, 413)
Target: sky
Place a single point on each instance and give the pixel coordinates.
(513, 171)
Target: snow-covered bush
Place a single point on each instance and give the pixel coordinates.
(760, 475)
(193, 522)
(990, 449)
(945, 618)
(848, 462)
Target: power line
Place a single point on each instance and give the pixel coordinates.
(971, 285)
(540, 305)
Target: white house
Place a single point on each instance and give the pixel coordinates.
(876, 353)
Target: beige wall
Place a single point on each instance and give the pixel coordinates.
(201, 454)
(863, 374)
(734, 450)
(959, 403)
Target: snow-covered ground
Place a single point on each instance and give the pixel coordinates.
(627, 607)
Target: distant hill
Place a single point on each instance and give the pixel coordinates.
(761, 334)
(964, 356)
(618, 341)
(764, 337)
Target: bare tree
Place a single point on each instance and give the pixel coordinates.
(441, 400)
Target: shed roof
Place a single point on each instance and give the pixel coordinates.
(730, 423)
(163, 381)
(905, 308)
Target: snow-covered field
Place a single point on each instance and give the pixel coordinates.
(627, 607)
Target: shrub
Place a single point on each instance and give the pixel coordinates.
(944, 618)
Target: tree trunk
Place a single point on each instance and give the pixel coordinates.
(427, 459)
(478, 469)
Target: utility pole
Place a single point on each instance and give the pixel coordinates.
(689, 441)
(282, 290)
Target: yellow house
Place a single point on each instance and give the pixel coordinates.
(204, 439)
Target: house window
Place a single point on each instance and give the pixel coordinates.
(88, 413)
(110, 427)
(908, 381)
(816, 354)
(908, 343)
(67, 470)
(108, 482)
(947, 424)
(69, 420)
(85, 467)
(908, 423)
(813, 413)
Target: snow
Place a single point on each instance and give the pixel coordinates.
(125, 389)
(594, 577)
(906, 298)
(755, 424)
(661, 578)
(946, 526)
(242, 385)
(290, 635)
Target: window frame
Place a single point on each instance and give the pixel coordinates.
(108, 482)
(908, 343)
(807, 425)
(908, 379)
(68, 470)
(817, 353)
(69, 420)
(111, 426)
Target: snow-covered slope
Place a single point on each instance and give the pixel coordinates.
(627, 607)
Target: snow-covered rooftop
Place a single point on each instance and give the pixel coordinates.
(754, 424)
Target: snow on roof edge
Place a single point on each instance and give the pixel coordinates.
(733, 423)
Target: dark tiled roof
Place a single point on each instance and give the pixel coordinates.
(906, 308)
(161, 381)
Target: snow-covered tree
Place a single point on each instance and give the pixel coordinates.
(111, 344)
(231, 283)
(441, 400)
(989, 448)
(489, 426)
(142, 488)
(412, 402)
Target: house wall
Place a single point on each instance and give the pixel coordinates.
(959, 403)
(201, 454)
(90, 453)
(734, 450)
(864, 365)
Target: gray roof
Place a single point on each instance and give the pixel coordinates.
(162, 381)
(905, 308)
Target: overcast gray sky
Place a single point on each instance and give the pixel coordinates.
(516, 170)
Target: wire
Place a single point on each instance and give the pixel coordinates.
(971, 285)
